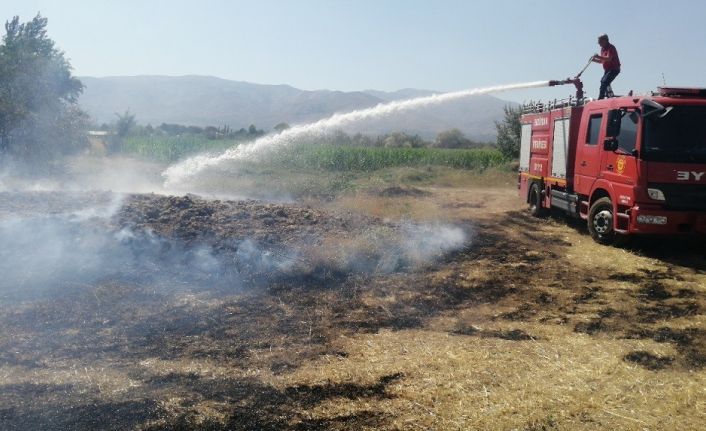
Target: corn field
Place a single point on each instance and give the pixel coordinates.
(338, 158)
(320, 157)
(172, 148)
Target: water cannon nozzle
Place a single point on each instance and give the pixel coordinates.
(575, 81)
(556, 82)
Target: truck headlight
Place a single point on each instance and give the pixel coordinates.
(648, 219)
(655, 194)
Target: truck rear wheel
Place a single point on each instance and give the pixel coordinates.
(535, 201)
(601, 223)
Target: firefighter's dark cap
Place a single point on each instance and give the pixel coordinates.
(602, 36)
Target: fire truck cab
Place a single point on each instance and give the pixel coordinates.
(627, 165)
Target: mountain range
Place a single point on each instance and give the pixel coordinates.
(205, 100)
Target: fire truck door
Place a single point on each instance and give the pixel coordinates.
(589, 152)
(620, 166)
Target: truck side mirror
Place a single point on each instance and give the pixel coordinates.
(610, 144)
(615, 117)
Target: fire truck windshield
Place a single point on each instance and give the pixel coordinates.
(676, 136)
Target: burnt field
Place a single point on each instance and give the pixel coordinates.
(386, 308)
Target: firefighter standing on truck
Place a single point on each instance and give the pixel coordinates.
(610, 61)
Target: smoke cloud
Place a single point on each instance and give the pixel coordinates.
(52, 253)
(391, 248)
(82, 173)
(76, 239)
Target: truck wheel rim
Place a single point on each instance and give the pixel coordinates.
(602, 221)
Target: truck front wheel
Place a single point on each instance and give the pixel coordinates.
(535, 202)
(601, 223)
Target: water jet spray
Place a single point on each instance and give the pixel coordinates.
(179, 172)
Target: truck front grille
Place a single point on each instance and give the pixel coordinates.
(683, 197)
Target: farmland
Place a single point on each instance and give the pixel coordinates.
(342, 159)
(325, 157)
(188, 251)
(170, 148)
(529, 325)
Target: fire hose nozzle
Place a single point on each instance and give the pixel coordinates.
(575, 81)
(555, 82)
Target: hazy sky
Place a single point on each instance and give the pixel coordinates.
(380, 44)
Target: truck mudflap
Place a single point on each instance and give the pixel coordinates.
(646, 220)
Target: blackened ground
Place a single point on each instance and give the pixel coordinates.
(90, 358)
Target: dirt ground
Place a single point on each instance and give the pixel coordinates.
(528, 326)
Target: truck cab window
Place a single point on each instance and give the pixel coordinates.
(628, 131)
(594, 128)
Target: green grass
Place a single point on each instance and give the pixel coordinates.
(319, 157)
(339, 158)
(172, 148)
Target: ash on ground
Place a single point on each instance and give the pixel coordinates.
(52, 240)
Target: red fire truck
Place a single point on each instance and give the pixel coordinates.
(627, 165)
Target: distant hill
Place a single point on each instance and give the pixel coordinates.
(205, 100)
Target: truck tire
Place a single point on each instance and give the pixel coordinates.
(600, 223)
(535, 201)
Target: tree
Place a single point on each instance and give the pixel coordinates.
(402, 140)
(339, 137)
(212, 132)
(281, 127)
(360, 140)
(39, 116)
(453, 138)
(126, 122)
(508, 141)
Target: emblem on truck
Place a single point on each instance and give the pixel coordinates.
(621, 165)
(687, 175)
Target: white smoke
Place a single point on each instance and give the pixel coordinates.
(395, 247)
(82, 173)
(427, 242)
(50, 253)
(45, 251)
